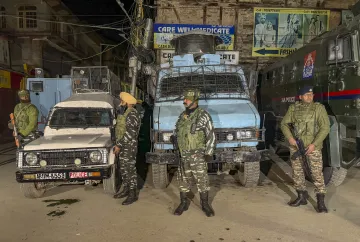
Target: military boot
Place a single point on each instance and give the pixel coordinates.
(321, 203)
(131, 198)
(123, 193)
(184, 204)
(204, 200)
(301, 199)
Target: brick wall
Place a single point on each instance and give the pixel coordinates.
(240, 14)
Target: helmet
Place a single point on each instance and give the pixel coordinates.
(23, 93)
(192, 94)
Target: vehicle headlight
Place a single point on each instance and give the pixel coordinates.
(31, 159)
(248, 134)
(166, 137)
(95, 156)
(244, 134)
(240, 134)
(230, 137)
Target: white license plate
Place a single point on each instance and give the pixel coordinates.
(78, 174)
(43, 176)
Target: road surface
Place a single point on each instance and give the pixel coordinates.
(85, 213)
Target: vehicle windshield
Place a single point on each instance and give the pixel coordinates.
(80, 118)
(211, 84)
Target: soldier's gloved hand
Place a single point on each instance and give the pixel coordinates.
(10, 125)
(208, 158)
(20, 137)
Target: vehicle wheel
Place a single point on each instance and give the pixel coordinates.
(249, 174)
(337, 176)
(113, 183)
(160, 176)
(33, 190)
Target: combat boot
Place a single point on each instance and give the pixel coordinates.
(321, 203)
(184, 204)
(204, 200)
(131, 198)
(301, 199)
(123, 193)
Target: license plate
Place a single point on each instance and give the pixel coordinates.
(78, 174)
(43, 176)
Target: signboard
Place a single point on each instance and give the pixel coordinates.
(4, 52)
(164, 33)
(226, 57)
(5, 79)
(309, 62)
(280, 31)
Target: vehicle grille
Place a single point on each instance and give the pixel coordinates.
(67, 157)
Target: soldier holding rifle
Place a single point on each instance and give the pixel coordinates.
(312, 125)
(196, 143)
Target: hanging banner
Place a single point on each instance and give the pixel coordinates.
(226, 57)
(4, 52)
(164, 33)
(280, 31)
(5, 79)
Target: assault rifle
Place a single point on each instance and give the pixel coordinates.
(301, 152)
(173, 140)
(15, 133)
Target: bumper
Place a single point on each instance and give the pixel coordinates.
(63, 175)
(219, 157)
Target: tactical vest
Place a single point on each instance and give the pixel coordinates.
(304, 117)
(186, 140)
(21, 116)
(120, 128)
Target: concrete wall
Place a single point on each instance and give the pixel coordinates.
(239, 13)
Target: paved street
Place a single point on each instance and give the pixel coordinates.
(80, 213)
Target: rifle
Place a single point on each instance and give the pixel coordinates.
(301, 152)
(15, 133)
(173, 140)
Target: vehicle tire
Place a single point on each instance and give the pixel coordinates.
(33, 190)
(338, 176)
(249, 174)
(113, 183)
(160, 176)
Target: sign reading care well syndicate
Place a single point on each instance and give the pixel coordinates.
(280, 31)
(164, 33)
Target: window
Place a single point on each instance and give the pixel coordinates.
(36, 86)
(80, 117)
(2, 18)
(282, 75)
(27, 17)
(293, 71)
(340, 51)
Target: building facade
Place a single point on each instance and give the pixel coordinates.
(45, 34)
(241, 14)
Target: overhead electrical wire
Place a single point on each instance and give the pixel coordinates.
(67, 23)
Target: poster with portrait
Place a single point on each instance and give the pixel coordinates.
(280, 31)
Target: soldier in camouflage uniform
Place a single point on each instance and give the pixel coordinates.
(127, 131)
(26, 117)
(312, 123)
(196, 140)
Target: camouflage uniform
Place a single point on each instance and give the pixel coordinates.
(312, 123)
(195, 149)
(127, 131)
(26, 116)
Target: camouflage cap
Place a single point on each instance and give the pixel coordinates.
(23, 93)
(192, 94)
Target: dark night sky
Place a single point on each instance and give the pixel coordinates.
(101, 7)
